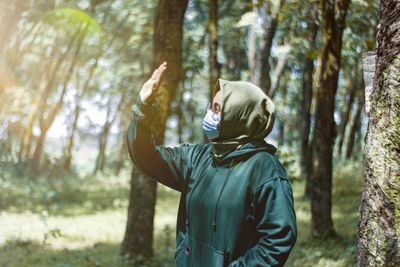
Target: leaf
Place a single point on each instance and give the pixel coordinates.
(73, 19)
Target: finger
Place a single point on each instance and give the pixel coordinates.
(156, 71)
(160, 73)
(154, 75)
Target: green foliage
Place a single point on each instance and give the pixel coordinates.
(67, 18)
(62, 193)
(340, 251)
(93, 239)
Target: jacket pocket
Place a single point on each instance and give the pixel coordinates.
(180, 247)
(202, 255)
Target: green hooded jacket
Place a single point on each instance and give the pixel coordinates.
(236, 206)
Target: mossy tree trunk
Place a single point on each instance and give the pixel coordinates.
(333, 15)
(379, 224)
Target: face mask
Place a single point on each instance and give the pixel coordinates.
(210, 124)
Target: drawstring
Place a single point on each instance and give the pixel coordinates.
(202, 174)
(214, 225)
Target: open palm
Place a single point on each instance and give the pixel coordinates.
(150, 87)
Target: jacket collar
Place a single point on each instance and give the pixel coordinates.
(241, 152)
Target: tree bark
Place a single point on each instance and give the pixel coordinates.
(354, 84)
(305, 110)
(333, 14)
(103, 138)
(85, 88)
(283, 116)
(77, 113)
(10, 13)
(259, 61)
(356, 121)
(70, 142)
(39, 103)
(45, 122)
(379, 223)
(167, 46)
(212, 29)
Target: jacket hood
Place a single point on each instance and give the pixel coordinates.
(247, 117)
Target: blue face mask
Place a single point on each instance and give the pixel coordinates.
(210, 124)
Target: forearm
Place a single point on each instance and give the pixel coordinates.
(141, 147)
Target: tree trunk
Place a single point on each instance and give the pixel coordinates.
(10, 12)
(356, 121)
(85, 88)
(333, 14)
(283, 116)
(212, 29)
(39, 103)
(379, 223)
(259, 61)
(47, 121)
(181, 116)
(121, 157)
(103, 138)
(70, 142)
(341, 130)
(138, 238)
(77, 113)
(167, 46)
(305, 124)
(305, 113)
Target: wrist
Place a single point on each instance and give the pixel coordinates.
(148, 101)
(143, 106)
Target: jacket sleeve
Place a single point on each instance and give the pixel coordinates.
(164, 164)
(275, 223)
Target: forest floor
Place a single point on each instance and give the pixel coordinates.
(81, 222)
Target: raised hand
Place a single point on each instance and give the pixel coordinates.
(150, 87)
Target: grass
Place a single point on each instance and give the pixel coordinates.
(82, 223)
(339, 251)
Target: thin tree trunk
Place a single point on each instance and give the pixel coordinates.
(379, 223)
(334, 14)
(119, 162)
(70, 142)
(38, 105)
(10, 13)
(85, 89)
(356, 121)
(277, 74)
(305, 112)
(341, 130)
(46, 122)
(259, 61)
(212, 29)
(354, 127)
(77, 113)
(181, 117)
(305, 124)
(282, 122)
(103, 138)
(167, 46)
